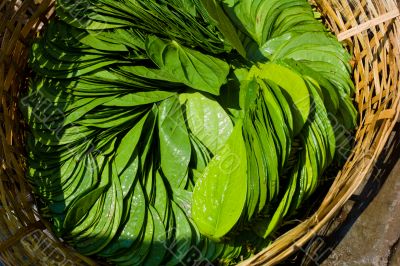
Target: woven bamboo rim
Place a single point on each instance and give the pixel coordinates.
(370, 28)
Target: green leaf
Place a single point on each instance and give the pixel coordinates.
(133, 226)
(293, 87)
(190, 67)
(224, 24)
(265, 228)
(128, 145)
(219, 196)
(183, 236)
(175, 149)
(139, 98)
(207, 120)
(81, 207)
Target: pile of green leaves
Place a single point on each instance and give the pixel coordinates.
(182, 130)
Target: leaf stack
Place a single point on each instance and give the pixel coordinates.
(182, 130)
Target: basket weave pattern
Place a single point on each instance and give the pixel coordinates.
(372, 32)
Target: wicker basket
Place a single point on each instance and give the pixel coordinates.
(371, 30)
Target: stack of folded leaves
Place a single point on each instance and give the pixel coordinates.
(182, 130)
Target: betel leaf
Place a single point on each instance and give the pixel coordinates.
(131, 229)
(207, 120)
(190, 67)
(252, 16)
(264, 228)
(175, 146)
(224, 24)
(139, 98)
(158, 251)
(127, 145)
(219, 195)
(183, 236)
(81, 207)
(293, 87)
